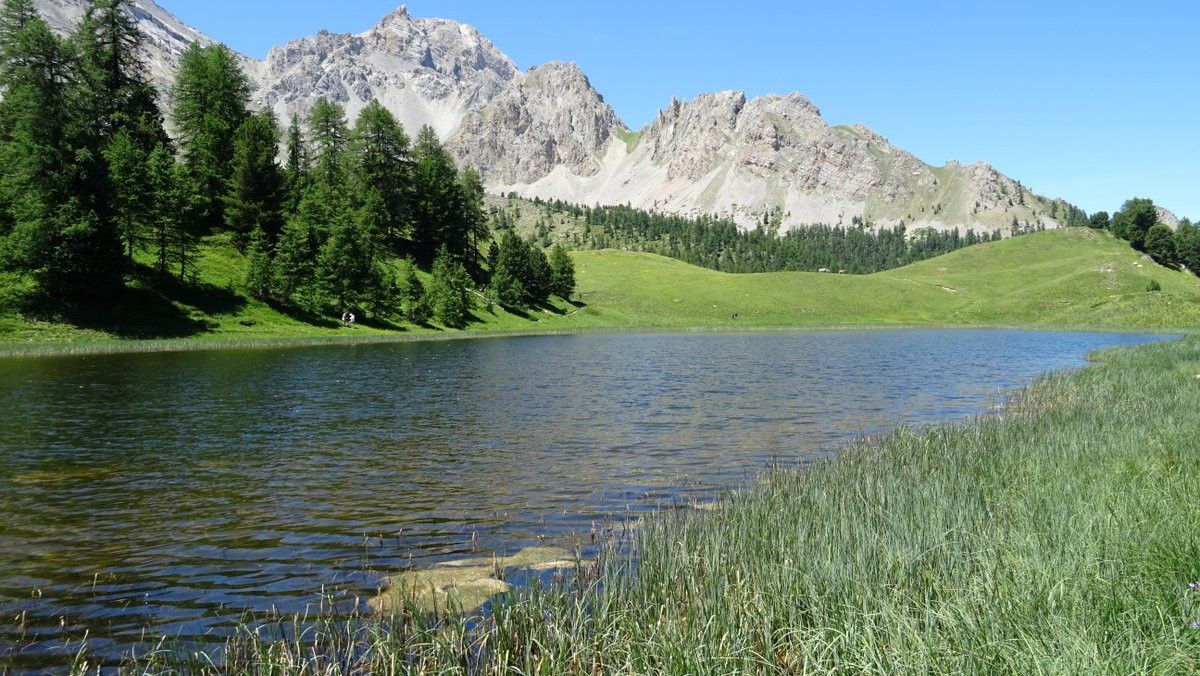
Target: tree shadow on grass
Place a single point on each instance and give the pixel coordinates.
(553, 309)
(207, 298)
(138, 313)
(383, 324)
(518, 312)
(305, 316)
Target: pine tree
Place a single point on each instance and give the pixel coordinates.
(295, 171)
(254, 199)
(121, 115)
(294, 267)
(52, 174)
(258, 265)
(1187, 246)
(1134, 220)
(165, 218)
(344, 272)
(449, 290)
(414, 301)
(118, 89)
(475, 223)
(328, 139)
(506, 289)
(211, 102)
(382, 171)
(539, 283)
(131, 200)
(436, 205)
(1160, 244)
(562, 273)
(184, 220)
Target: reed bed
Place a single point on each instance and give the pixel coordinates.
(1061, 535)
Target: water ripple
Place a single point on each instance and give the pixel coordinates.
(175, 491)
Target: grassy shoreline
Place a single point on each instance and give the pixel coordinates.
(1057, 280)
(128, 346)
(1057, 536)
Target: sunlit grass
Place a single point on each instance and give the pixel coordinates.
(1074, 278)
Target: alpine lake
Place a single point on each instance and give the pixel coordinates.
(177, 494)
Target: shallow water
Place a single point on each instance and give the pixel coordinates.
(175, 491)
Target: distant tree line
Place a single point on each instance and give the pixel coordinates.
(91, 186)
(1137, 222)
(719, 244)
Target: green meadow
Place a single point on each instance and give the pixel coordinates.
(1074, 278)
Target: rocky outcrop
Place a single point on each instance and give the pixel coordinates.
(550, 117)
(1166, 217)
(166, 36)
(426, 71)
(745, 158)
(548, 133)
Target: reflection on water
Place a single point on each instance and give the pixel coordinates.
(176, 490)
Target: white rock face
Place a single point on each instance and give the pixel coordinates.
(1167, 218)
(547, 118)
(723, 154)
(548, 132)
(426, 71)
(166, 36)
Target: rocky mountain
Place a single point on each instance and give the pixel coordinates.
(725, 154)
(426, 71)
(548, 133)
(166, 36)
(549, 119)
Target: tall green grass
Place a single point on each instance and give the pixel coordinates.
(1058, 536)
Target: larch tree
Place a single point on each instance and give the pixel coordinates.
(52, 174)
(255, 194)
(382, 173)
(211, 102)
(436, 210)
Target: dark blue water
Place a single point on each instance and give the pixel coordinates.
(171, 492)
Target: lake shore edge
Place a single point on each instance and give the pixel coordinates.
(11, 350)
(1027, 536)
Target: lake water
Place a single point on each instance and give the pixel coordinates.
(175, 491)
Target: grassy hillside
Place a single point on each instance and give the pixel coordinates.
(1068, 278)
(1064, 278)
(1072, 277)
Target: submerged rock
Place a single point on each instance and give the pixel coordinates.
(467, 584)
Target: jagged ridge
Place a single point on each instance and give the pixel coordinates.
(548, 133)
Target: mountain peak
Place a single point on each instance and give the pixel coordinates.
(398, 14)
(548, 132)
(549, 117)
(427, 71)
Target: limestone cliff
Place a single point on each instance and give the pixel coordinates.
(722, 153)
(548, 133)
(426, 71)
(548, 118)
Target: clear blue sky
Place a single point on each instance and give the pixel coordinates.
(1095, 101)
